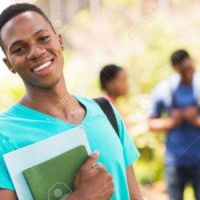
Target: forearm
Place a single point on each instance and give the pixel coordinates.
(196, 122)
(134, 190)
(158, 124)
(7, 195)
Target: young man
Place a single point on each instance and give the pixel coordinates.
(33, 49)
(179, 97)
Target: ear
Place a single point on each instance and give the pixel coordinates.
(6, 61)
(61, 41)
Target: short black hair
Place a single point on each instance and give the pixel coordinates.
(179, 56)
(108, 73)
(16, 9)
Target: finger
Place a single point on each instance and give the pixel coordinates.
(91, 161)
(109, 186)
(100, 167)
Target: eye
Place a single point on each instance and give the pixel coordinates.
(44, 38)
(19, 50)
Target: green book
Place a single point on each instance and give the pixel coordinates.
(53, 179)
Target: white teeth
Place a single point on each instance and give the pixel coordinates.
(42, 66)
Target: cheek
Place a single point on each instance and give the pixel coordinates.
(119, 86)
(123, 83)
(16, 63)
(61, 60)
(56, 45)
(59, 53)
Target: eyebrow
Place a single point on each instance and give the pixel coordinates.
(21, 41)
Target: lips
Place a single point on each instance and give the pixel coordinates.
(42, 66)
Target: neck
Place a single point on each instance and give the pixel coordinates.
(187, 80)
(49, 100)
(112, 97)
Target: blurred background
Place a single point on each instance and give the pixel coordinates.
(140, 36)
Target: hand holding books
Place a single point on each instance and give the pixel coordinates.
(92, 182)
(64, 171)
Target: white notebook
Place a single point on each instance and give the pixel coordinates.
(19, 160)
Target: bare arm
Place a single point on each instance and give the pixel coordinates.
(134, 190)
(165, 124)
(7, 195)
(197, 122)
(159, 124)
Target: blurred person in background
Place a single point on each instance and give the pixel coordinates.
(114, 82)
(179, 97)
(34, 50)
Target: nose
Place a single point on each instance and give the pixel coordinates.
(36, 52)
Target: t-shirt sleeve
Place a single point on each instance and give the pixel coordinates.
(157, 105)
(130, 152)
(157, 108)
(5, 180)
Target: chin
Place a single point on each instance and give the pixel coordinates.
(50, 84)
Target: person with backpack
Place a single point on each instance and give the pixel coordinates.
(113, 81)
(179, 99)
(114, 84)
(33, 50)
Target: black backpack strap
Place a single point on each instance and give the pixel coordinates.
(108, 110)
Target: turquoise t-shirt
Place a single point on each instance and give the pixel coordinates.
(21, 126)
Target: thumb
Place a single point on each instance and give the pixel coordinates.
(91, 160)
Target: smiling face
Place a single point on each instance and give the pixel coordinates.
(33, 50)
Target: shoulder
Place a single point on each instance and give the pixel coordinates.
(97, 110)
(160, 89)
(197, 74)
(89, 103)
(165, 87)
(197, 79)
(85, 100)
(4, 119)
(7, 116)
(7, 123)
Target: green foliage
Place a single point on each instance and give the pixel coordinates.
(10, 92)
(189, 193)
